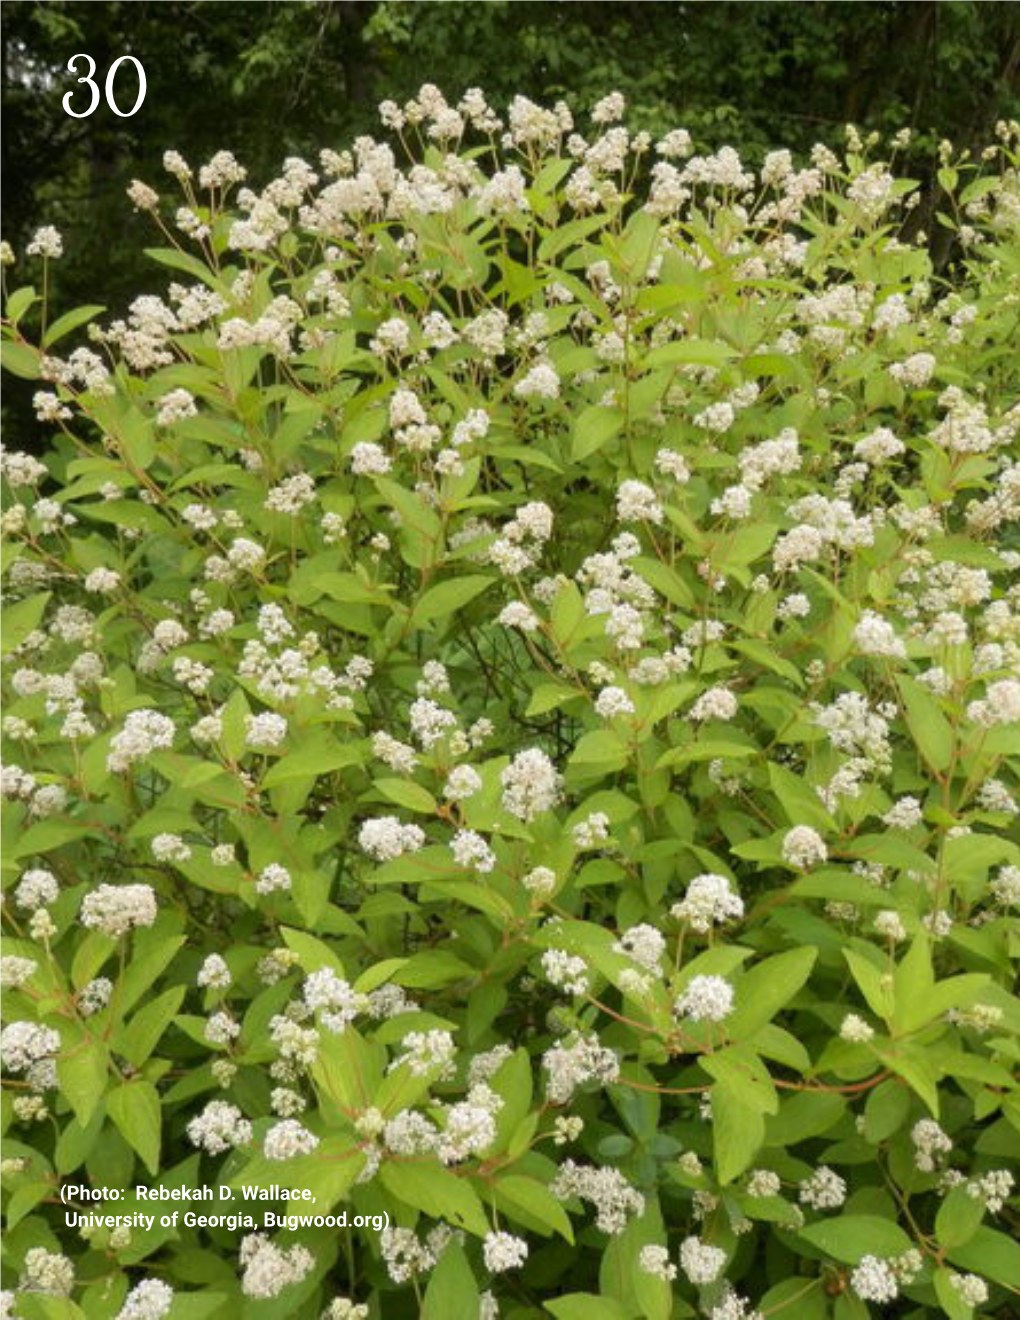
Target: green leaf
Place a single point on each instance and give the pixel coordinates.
(63, 325)
(767, 987)
(586, 1306)
(693, 352)
(20, 360)
(600, 752)
(913, 982)
(949, 1297)
(137, 1040)
(738, 1130)
(798, 799)
(885, 1111)
(531, 1203)
(448, 597)
(594, 428)
(991, 1254)
(958, 1219)
(917, 1066)
(135, 1109)
(873, 984)
(429, 1187)
(929, 728)
(452, 1293)
(849, 1237)
(313, 954)
(710, 750)
(19, 302)
(621, 1275)
(319, 753)
(20, 619)
(406, 793)
(82, 1071)
(184, 261)
(740, 1068)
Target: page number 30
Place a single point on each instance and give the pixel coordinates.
(111, 77)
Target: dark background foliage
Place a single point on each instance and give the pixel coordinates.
(270, 79)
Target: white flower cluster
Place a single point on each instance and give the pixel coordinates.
(117, 909)
(267, 1269)
(531, 784)
(612, 1196)
(709, 902)
(705, 999)
(386, 838)
(579, 1061)
(219, 1127)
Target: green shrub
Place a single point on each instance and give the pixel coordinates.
(513, 671)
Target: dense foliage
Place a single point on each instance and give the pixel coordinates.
(269, 78)
(513, 684)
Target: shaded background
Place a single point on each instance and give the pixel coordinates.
(276, 78)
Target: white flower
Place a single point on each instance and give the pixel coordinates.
(471, 850)
(705, 999)
(854, 1028)
(23, 1044)
(288, 1138)
(582, 1059)
(214, 973)
(700, 1262)
(15, 971)
(369, 460)
(889, 924)
(424, 1051)
(47, 1272)
(144, 732)
(386, 838)
(566, 971)
(613, 701)
(654, 1260)
(265, 731)
(37, 888)
(718, 703)
(804, 847)
(463, 781)
(823, 1190)
(709, 900)
(1001, 704)
(272, 879)
(972, 1289)
(268, 1269)
(874, 1281)
(117, 909)
(644, 944)
(503, 1251)
(518, 615)
(540, 881)
(541, 382)
(176, 407)
(763, 1182)
(930, 1144)
(636, 502)
(46, 242)
(606, 1188)
(170, 848)
(149, 1300)
(219, 1127)
(102, 581)
(873, 635)
(531, 784)
(592, 831)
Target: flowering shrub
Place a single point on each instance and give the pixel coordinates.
(513, 670)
